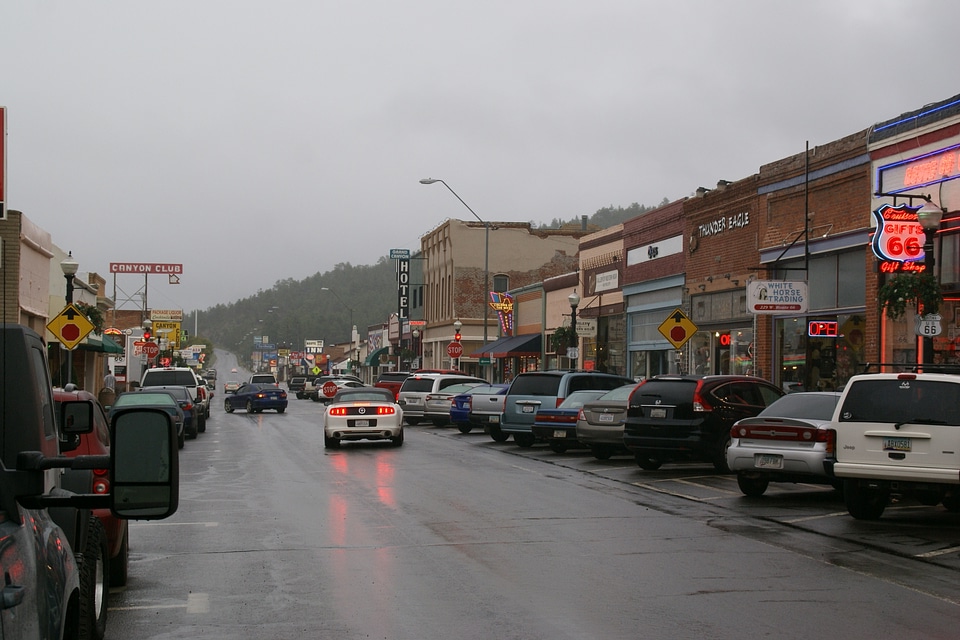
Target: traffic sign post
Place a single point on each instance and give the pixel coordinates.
(678, 329)
(70, 326)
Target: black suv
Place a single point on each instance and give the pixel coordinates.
(296, 385)
(676, 417)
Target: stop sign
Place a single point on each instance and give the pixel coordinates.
(329, 388)
(454, 349)
(151, 349)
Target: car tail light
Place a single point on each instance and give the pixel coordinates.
(386, 411)
(559, 401)
(101, 481)
(283, 394)
(580, 415)
(699, 403)
(830, 437)
(188, 406)
(468, 405)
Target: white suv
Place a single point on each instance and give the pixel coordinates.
(898, 434)
(180, 377)
(415, 389)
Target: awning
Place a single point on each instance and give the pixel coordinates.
(373, 359)
(101, 343)
(511, 346)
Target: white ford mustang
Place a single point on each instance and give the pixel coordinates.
(362, 413)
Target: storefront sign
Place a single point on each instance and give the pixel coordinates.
(920, 171)
(166, 315)
(724, 223)
(607, 281)
(822, 329)
(777, 296)
(502, 303)
(899, 236)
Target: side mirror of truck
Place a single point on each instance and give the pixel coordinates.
(144, 464)
(76, 418)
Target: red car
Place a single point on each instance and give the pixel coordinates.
(97, 443)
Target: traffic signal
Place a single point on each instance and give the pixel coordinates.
(456, 337)
(147, 335)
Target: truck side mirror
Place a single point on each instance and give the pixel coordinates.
(144, 464)
(76, 418)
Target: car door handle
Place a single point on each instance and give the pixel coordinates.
(12, 595)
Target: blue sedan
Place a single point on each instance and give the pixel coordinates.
(255, 397)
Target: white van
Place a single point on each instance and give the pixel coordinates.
(898, 434)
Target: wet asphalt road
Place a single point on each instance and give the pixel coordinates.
(455, 536)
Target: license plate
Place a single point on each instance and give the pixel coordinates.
(495, 419)
(606, 417)
(897, 444)
(657, 412)
(559, 433)
(361, 423)
(527, 408)
(768, 461)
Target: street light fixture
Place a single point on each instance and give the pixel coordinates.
(69, 267)
(573, 353)
(929, 216)
(486, 259)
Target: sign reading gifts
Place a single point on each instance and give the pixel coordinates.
(899, 237)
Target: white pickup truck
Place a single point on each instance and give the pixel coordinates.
(486, 406)
(898, 434)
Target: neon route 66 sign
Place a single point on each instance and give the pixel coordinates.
(899, 236)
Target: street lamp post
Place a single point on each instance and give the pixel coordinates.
(573, 351)
(416, 347)
(929, 216)
(69, 267)
(486, 261)
(352, 327)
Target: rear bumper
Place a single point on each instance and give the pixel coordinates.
(895, 473)
(552, 432)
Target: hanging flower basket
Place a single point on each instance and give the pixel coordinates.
(561, 340)
(915, 289)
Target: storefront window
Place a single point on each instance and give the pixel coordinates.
(724, 351)
(820, 353)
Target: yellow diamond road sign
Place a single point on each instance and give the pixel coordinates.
(70, 326)
(678, 328)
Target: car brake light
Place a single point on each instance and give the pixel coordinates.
(188, 406)
(559, 402)
(386, 411)
(580, 415)
(338, 411)
(699, 404)
(779, 432)
(830, 437)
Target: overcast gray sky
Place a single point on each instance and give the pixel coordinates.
(259, 141)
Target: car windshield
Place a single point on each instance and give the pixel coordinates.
(809, 406)
(454, 389)
(143, 398)
(369, 395)
(576, 399)
(620, 393)
(417, 384)
(535, 385)
(902, 401)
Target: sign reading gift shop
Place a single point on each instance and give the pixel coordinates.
(777, 296)
(899, 237)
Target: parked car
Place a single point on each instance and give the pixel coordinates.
(108, 536)
(461, 405)
(314, 389)
(786, 442)
(179, 376)
(152, 400)
(558, 425)
(897, 436)
(688, 417)
(230, 386)
(532, 390)
(392, 380)
(416, 388)
(256, 397)
(203, 392)
(486, 406)
(295, 386)
(191, 411)
(600, 422)
(437, 405)
(367, 413)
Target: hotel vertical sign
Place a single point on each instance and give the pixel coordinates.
(402, 256)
